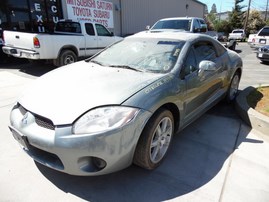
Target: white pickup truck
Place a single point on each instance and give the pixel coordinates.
(69, 41)
(237, 34)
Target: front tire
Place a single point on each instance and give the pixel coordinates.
(155, 140)
(233, 88)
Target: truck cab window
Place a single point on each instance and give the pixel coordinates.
(102, 31)
(89, 29)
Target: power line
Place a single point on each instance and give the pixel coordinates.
(257, 5)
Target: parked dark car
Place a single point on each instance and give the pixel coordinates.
(263, 53)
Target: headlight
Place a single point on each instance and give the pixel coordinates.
(104, 119)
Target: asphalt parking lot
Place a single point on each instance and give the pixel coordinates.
(216, 158)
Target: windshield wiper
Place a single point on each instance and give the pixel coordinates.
(125, 67)
(96, 62)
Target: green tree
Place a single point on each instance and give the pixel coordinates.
(255, 22)
(223, 26)
(210, 21)
(213, 9)
(236, 16)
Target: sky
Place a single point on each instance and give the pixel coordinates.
(223, 6)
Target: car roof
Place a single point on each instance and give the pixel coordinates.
(173, 34)
(181, 18)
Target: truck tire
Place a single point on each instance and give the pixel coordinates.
(66, 57)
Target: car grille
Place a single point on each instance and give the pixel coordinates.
(44, 157)
(41, 121)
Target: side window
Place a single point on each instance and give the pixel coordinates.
(190, 64)
(220, 49)
(202, 22)
(203, 26)
(205, 51)
(196, 25)
(89, 29)
(102, 31)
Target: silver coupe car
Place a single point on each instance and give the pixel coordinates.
(123, 105)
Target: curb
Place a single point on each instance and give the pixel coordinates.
(253, 118)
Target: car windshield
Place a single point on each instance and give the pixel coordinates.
(173, 24)
(141, 54)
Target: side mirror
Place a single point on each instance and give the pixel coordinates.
(111, 33)
(147, 27)
(203, 28)
(206, 65)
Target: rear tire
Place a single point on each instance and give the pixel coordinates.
(155, 140)
(66, 57)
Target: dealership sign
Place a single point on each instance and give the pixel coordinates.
(91, 10)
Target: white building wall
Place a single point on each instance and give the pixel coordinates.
(116, 15)
(136, 15)
(131, 16)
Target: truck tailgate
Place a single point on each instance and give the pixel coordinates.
(19, 39)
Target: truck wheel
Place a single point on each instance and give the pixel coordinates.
(66, 57)
(155, 140)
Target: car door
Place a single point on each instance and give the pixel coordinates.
(201, 87)
(105, 38)
(91, 40)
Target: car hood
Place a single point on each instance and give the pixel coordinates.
(66, 93)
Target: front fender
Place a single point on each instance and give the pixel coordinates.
(236, 64)
(166, 90)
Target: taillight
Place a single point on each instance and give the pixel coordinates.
(36, 42)
(253, 40)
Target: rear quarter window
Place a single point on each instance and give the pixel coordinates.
(69, 27)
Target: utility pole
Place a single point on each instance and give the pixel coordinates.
(246, 21)
(265, 18)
